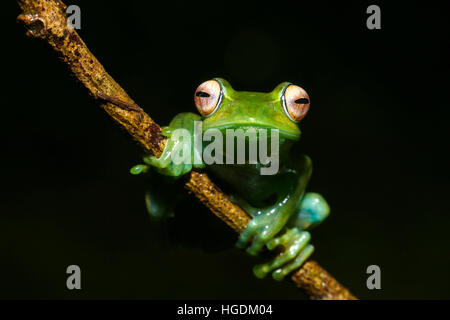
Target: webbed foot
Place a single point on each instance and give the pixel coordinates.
(260, 230)
(165, 164)
(179, 155)
(295, 251)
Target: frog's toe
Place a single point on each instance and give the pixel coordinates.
(259, 231)
(138, 169)
(304, 254)
(295, 251)
(247, 234)
(259, 240)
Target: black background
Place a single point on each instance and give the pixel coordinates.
(377, 133)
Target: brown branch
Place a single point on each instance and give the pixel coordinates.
(46, 19)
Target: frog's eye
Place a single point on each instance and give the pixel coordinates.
(207, 97)
(295, 102)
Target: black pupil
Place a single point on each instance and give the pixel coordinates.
(302, 101)
(202, 94)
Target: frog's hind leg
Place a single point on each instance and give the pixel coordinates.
(267, 222)
(157, 206)
(264, 226)
(162, 194)
(312, 210)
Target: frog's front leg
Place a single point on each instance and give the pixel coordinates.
(179, 156)
(180, 153)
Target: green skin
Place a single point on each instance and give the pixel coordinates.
(282, 213)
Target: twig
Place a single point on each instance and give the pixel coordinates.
(46, 19)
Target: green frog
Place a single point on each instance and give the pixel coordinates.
(270, 189)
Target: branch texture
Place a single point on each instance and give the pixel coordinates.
(46, 19)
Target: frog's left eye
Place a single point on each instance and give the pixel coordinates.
(295, 102)
(208, 97)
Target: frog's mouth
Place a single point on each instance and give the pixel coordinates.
(250, 126)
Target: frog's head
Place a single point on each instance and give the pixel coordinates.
(224, 108)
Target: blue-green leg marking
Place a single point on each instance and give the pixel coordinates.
(313, 211)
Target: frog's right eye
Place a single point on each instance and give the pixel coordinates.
(295, 102)
(208, 97)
